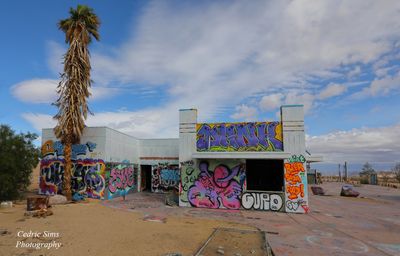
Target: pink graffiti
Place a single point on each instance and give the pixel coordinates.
(121, 179)
(209, 187)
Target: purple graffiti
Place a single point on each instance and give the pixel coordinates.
(121, 179)
(211, 188)
(254, 136)
(86, 179)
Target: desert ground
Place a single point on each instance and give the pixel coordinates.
(144, 225)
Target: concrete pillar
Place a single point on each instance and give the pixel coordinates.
(187, 133)
(292, 117)
(296, 195)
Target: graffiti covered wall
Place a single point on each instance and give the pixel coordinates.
(213, 183)
(266, 201)
(87, 174)
(121, 179)
(253, 136)
(165, 177)
(296, 185)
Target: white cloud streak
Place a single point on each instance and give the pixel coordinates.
(44, 91)
(217, 55)
(358, 145)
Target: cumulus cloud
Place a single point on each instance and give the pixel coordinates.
(147, 123)
(332, 90)
(217, 55)
(36, 91)
(271, 101)
(244, 112)
(44, 91)
(358, 145)
(379, 87)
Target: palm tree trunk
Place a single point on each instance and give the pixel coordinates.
(67, 170)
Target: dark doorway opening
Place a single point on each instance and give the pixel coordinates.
(145, 177)
(264, 175)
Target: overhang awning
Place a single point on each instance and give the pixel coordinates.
(241, 155)
(314, 159)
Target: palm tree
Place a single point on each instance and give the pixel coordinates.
(73, 88)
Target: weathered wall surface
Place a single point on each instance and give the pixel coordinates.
(212, 183)
(121, 179)
(253, 136)
(88, 174)
(92, 175)
(296, 184)
(263, 201)
(165, 177)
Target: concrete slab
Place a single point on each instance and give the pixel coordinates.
(367, 225)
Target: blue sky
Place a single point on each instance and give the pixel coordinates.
(232, 60)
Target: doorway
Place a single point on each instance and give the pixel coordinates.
(145, 172)
(264, 175)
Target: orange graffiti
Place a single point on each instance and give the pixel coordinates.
(47, 148)
(295, 191)
(293, 178)
(294, 167)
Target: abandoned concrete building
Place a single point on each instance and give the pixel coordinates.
(245, 165)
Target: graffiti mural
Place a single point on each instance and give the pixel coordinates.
(256, 136)
(56, 149)
(165, 177)
(188, 176)
(121, 179)
(219, 188)
(87, 177)
(296, 184)
(87, 174)
(262, 201)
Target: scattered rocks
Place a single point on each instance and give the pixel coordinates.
(4, 232)
(348, 190)
(57, 199)
(221, 252)
(173, 254)
(6, 204)
(316, 190)
(44, 212)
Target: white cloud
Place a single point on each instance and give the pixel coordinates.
(332, 90)
(217, 55)
(244, 112)
(40, 121)
(55, 53)
(36, 91)
(44, 91)
(354, 72)
(271, 102)
(305, 99)
(379, 87)
(358, 145)
(142, 124)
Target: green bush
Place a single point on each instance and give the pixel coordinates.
(18, 157)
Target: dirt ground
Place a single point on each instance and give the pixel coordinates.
(94, 229)
(144, 225)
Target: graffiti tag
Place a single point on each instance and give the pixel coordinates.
(262, 201)
(211, 188)
(255, 136)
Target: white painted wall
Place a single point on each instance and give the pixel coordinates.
(93, 134)
(120, 147)
(154, 151)
(187, 133)
(293, 129)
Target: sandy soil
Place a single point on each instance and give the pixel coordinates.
(93, 229)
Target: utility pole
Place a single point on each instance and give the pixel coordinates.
(340, 175)
(345, 171)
